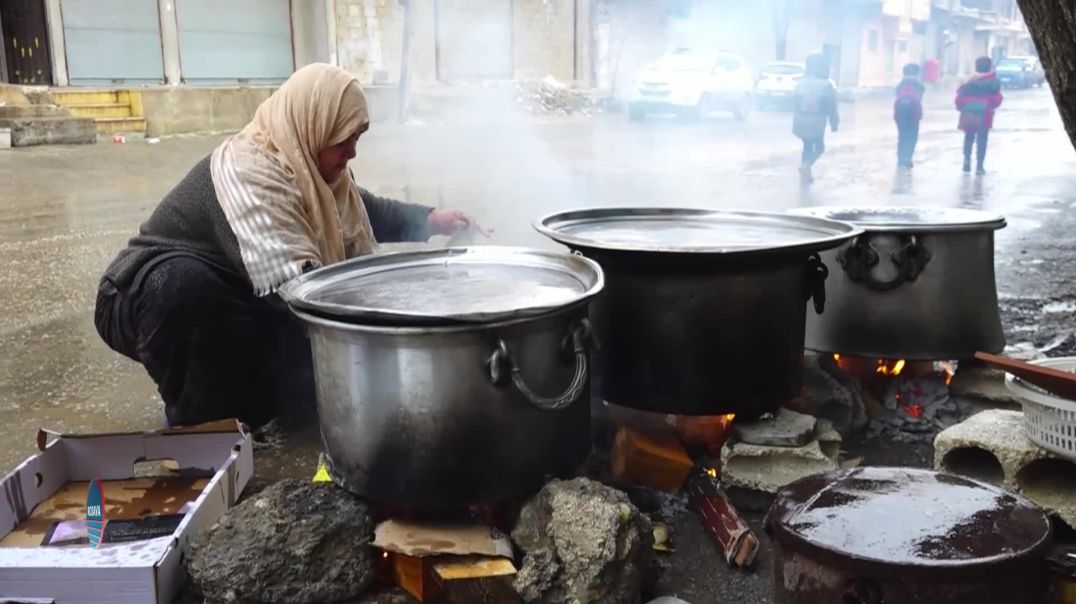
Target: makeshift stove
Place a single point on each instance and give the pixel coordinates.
(905, 401)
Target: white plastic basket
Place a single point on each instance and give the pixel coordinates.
(1050, 421)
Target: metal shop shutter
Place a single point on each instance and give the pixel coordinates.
(222, 42)
(112, 41)
(474, 39)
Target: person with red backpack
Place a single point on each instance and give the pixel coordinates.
(907, 112)
(977, 99)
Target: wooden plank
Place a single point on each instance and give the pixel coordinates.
(658, 461)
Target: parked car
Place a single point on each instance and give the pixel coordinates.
(776, 83)
(1020, 72)
(692, 83)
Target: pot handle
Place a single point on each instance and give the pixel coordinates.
(817, 272)
(910, 258)
(502, 358)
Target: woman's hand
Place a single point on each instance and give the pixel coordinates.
(450, 222)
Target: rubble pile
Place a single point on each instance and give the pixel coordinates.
(550, 96)
(285, 545)
(583, 542)
(915, 410)
(765, 455)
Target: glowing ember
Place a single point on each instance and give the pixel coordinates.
(712, 472)
(915, 410)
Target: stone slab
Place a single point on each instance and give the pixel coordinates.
(785, 428)
(28, 131)
(768, 468)
(984, 384)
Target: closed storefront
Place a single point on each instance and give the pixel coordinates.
(234, 41)
(112, 41)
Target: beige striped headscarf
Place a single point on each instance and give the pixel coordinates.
(281, 210)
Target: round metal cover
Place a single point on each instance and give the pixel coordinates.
(685, 230)
(910, 219)
(472, 284)
(908, 517)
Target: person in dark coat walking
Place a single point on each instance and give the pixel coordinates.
(193, 296)
(815, 101)
(907, 113)
(977, 100)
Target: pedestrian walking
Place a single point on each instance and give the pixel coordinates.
(907, 113)
(977, 99)
(816, 103)
(932, 72)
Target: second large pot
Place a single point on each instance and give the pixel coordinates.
(917, 284)
(703, 311)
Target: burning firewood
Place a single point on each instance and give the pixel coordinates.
(655, 460)
(730, 531)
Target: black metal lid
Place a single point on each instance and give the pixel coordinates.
(693, 231)
(907, 517)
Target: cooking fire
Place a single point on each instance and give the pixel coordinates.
(906, 401)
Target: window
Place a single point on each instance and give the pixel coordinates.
(872, 39)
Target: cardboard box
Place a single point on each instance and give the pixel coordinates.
(215, 461)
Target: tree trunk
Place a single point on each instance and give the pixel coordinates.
(1053, 28)
(405, 61)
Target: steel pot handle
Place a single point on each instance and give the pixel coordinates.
(857, 259)
(816, 273)
(502, 359)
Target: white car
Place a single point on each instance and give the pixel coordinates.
(692, 83)
(776, 83)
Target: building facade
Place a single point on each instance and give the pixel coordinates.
(137, 42)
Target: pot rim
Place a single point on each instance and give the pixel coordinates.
(433, 329)
(839, 231)
(959, 219)
(297, 292)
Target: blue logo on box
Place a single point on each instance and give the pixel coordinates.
(95, 513)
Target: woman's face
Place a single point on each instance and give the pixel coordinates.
(332, 161)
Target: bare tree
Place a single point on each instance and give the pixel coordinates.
(1053, 28)
(781, 10)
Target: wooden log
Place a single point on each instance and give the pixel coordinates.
(415, 576)
(467, 579)
(657, 460)
(455, 579)
(734, 538)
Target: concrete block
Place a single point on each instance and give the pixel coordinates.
(765, 468)
(992, 446)
(785, 428)
(28, 131)
(983, 384)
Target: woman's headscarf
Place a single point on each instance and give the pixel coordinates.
(266, 177)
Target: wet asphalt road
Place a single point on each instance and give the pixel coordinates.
(66, 211)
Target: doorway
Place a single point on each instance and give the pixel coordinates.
(26, 42)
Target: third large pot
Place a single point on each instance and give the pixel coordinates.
(917, 284)
(703, 311)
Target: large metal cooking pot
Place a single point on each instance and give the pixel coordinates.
(703, 311)
(449, 377)
(902, 535)
(918, 284)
